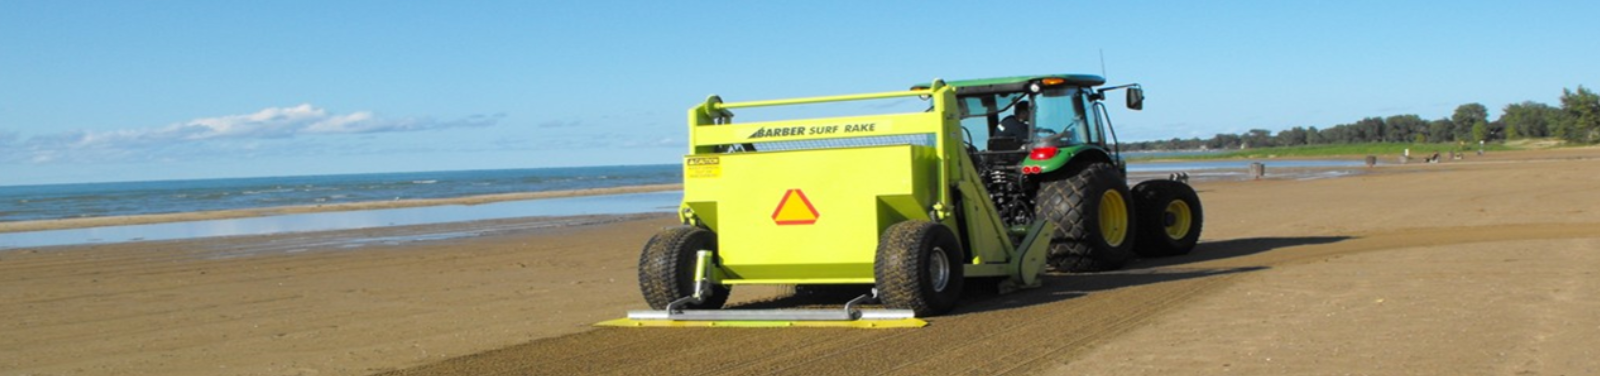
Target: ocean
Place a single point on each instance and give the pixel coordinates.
(24, 203)
(39, 202)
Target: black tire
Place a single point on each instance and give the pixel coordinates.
(919, 266)
(1169, 218)
(1083, 242)
(666, 267)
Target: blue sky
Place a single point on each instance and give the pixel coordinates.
(154, 90)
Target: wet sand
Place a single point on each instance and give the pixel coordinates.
(1482, 266)
(69, 223)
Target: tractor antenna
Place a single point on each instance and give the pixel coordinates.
(1103, 65)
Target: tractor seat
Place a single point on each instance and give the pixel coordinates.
(1002, 143)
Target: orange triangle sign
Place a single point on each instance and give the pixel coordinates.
(795, 209)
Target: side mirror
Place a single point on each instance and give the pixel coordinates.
(1136, 98)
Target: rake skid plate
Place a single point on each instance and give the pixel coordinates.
(848, 317)
(781, 318)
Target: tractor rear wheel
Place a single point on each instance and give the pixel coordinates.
(1094, 218)
(666, 267)
(919, 267)
(1169, 218)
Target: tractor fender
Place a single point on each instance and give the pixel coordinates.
(1040, 162)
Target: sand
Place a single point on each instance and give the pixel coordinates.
(1482, 266)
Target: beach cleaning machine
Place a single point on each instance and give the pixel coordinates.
(904, 205)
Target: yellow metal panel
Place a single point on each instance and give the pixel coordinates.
(833, 238)
(804, 281)
(810, 129)
(986, 234)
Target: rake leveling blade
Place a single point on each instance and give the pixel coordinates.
(849, 317)
(863, 324)
(768, 319)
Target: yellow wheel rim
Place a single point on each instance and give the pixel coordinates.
(1113, 218)
(1179, 218)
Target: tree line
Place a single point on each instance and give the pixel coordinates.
(1576, 121)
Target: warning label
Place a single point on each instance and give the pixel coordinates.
(795, 209)
(702, 167)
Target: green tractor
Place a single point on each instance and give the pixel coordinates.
(997, 180)
(1064, 167)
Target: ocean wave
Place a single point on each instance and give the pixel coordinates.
(275, 190)
(100, 199)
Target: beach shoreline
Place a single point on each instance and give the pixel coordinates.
(1219, 175)
(141, 219)
(206, 215)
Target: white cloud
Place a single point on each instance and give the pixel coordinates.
(221, 135)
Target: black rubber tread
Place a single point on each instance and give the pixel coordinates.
(1151, 199)
(1072, 203)
(666, 267)
(901, 267)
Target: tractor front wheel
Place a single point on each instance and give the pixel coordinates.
(1169, 218)
(1094, 218)
(919, 266)
(666, 267)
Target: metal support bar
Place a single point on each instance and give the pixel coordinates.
(835, 98)
(702, 272)
(772, 315)
(850, 312)
(702, 284)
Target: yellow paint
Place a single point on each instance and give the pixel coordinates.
(1182, 219)
(854, 193)
(1114, 218)
(754, 198)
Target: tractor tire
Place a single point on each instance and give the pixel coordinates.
(1093, 214)
(666, 267)
(919, 266)
(1169, 218)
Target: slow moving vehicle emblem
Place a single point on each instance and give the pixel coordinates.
(795, 209)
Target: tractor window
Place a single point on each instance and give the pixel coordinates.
(981, 114)
(1094, 127)
(1060, 118)
(973, 119)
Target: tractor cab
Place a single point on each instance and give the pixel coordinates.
(1063, 119)
(1060, 112)
(1052, 117)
